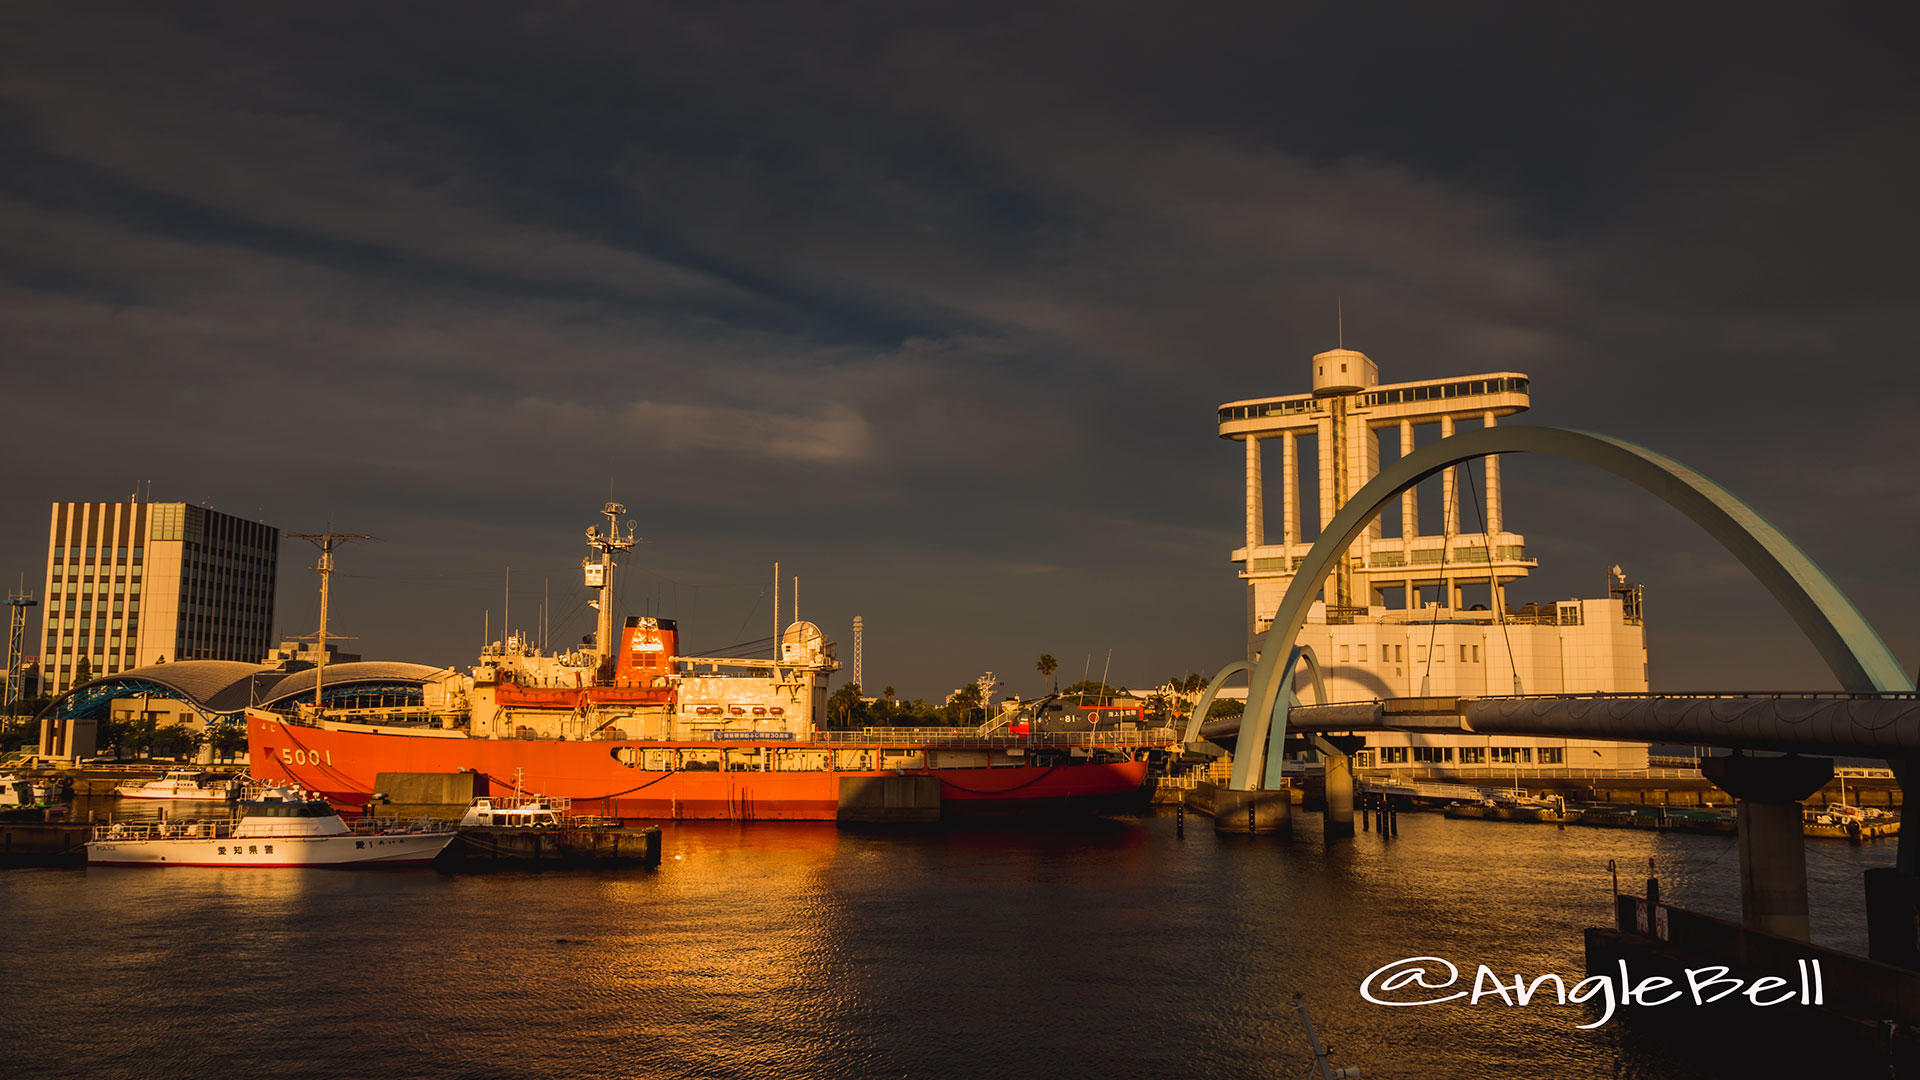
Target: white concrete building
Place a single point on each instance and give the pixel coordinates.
(133, 583)
(1396, 619)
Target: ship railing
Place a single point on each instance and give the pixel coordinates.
(389, 826)
(529, 801)
(163, 830)
(968, 737)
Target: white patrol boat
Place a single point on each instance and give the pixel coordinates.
(180, 784)
(277, 827)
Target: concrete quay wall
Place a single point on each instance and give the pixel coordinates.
(484, 846)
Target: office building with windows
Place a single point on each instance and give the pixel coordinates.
(134, 583)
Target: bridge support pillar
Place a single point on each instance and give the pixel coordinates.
(1339, 774)
(1773, 846)
(1262, 813)
(1893, 895)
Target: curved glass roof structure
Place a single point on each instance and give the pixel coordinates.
(216, 688)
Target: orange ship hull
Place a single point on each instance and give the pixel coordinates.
(344, 767)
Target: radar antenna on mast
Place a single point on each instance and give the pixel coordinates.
(599, 575)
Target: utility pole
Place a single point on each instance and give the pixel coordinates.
(326, 542)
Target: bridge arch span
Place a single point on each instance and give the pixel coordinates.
(1191, 739)
(1849, 646)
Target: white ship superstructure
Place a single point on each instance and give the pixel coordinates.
(1409, 613)
(631, 683)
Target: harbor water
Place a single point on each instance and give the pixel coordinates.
(1107, 947)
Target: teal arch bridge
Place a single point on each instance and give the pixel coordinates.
(1849, 646)
(1876, 716)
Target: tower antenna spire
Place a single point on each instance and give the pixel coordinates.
(1340, 320)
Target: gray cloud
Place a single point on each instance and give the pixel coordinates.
(936, 305)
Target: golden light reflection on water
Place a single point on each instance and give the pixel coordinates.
(800, 950)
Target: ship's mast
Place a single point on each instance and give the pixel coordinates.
(326, 542)
(600, 575)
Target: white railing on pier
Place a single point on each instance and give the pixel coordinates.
(1424, 789)
(1526, 773)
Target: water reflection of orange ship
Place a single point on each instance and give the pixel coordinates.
(639, 731)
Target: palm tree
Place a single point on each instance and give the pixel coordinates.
(1046, 667)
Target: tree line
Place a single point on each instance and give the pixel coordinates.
(1169, 703)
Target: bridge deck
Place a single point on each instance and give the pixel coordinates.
(1816, 722)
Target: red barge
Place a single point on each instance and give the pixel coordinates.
(640, 732)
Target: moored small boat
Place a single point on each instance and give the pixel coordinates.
(515, 812)
(26, 799)
(279, 827)
(1842, 821)
(180, 784)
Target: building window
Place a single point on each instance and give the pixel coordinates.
(1473, 755)
(1393, 755)
(1363, 654)
(1343, 654)
(1552, 755)
(1476, 654)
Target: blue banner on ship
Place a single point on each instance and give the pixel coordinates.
(751, 736)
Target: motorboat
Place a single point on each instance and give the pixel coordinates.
(180, 784)
(275, 827)
(515, 812)
(17, 791)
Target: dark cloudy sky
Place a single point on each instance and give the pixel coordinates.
(934, 303)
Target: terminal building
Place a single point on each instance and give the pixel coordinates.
(131, 584)
(1408, 613)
